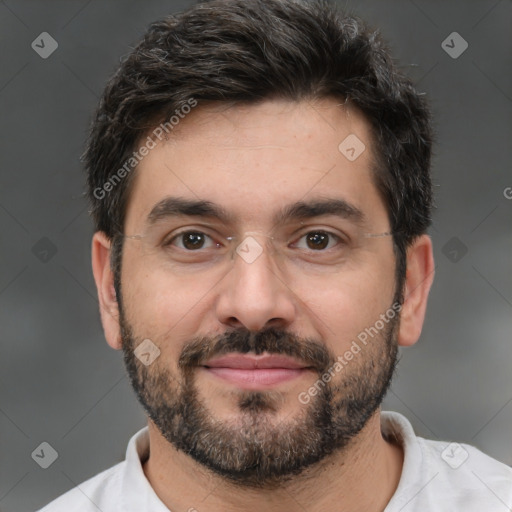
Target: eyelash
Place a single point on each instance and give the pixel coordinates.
(169, 242)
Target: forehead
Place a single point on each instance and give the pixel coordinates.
(255, 160)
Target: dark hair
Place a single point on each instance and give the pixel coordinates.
(249, 50)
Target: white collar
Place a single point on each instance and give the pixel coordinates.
(137, 493)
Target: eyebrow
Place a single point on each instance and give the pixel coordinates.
(319, 207)
(179, 207)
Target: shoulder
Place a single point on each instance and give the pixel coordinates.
(106, 490)
(463, 470)
(92, 495)
(446, 476)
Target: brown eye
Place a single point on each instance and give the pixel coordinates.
(193, 240)
(190, 240)
(317, 240)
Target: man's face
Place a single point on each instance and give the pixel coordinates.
(302, 287)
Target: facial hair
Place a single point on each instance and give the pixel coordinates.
(257, 451)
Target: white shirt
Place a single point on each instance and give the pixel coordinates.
(436, 476)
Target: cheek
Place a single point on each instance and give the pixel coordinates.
(342, 306)
(159, 305)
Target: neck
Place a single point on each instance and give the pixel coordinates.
(362, 476)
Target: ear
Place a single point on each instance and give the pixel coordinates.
(109, 308)
(418, 280)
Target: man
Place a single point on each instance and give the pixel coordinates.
(259, 179)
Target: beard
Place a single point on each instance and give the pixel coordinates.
(259, 450)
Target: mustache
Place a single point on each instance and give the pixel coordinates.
(273, 341)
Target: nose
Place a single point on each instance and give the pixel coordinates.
(253, 294)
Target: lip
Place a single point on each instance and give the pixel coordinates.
(252, 362)
(255, 372)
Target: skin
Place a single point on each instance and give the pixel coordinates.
(253, 160)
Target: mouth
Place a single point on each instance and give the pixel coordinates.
(249, 371)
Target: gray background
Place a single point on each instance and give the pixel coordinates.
(59, 381)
